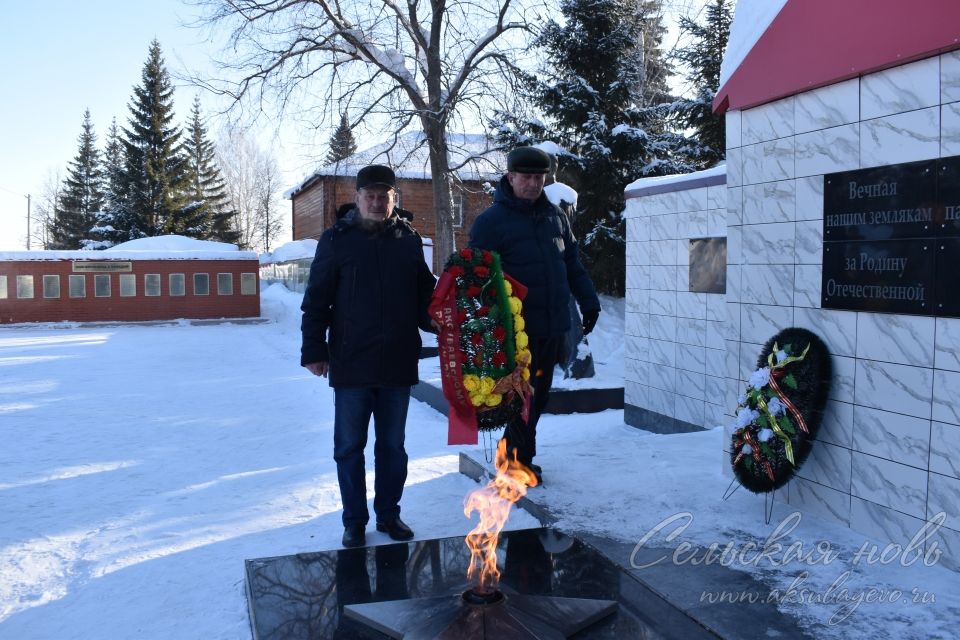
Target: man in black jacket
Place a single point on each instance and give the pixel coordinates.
(537, 247)
(369, 288)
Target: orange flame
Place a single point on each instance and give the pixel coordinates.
(493, 503)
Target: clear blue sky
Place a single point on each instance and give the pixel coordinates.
(60, 57)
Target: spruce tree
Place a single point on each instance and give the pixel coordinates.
(342, 143)
(81, 197)
(600, 96)
(105, 232)
(155, 170)
(208, 215)
(703, 57)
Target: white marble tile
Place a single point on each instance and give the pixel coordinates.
(950, 129)
(663, 303)
(634, 370)
(838, 329)
(662, 352)
(828, 150)
(768, 243)
(716, 307)
(735, 167)
(893, 436)
(663, 227)
(638, 348)
(713, 389)
(733, 126)
(716, 223)
(734, 205)
(715, 362)
(895, 338)
(717, 196)
(692, 224)
(809, 192)
(683, 277)
(768, 161)
(889, 484)
(691, 305)
(691, 358)
(733, 283)
(635, 229)
(632, 323)
(946, 396)
(769, 121)
(660, 401)
(806, 285)
(819, 500)
(663, 278)
(828, 106)
(633, 209)
(693, 199)
(844, 376)
(837, 425)
(769, 202)
(635, 394)
(948, 544)
(663, 327)
(732, 325)
(638, 277)
(904, 137)
(663, 379)
(749, 353)
(691, 385)
(682, 257)
(734, 246)
(691, 410)
(829, 465)
(759, 323)
(637, 300)
(633, 253)
(660, 203)
(950, 77)
(894, 387)
(947, 349)
(715, 335)
(809, 244)
(945, 449)
(732, 392)
(904, 88)
(768, 284)
(693, 332)
(943, 494)
(882, 523)
(713, 415)
(662, 252)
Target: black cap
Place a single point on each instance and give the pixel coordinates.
(528, 160)
(376, 174)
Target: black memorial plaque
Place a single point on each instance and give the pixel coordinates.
(708, 265)
(947, 293)
(948, 187)
(882, 203)
(892, 276)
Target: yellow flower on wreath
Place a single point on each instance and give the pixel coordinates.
(518, 322)
(515, 304)
(522, 339)
(487, 385)
(471, 382)
(477, 399)
(493, 399)
(508, 287)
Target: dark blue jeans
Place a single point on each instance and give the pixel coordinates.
(353, 407)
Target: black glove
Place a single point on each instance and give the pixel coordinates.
(590, 321)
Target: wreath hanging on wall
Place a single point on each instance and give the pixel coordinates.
(484, 351)
(780, 411)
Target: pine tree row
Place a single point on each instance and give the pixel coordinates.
(152, 178)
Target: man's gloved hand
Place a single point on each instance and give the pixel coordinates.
(589, 321)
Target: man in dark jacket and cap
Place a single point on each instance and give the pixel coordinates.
(537, 247)
(367, 296)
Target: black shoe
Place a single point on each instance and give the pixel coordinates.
(354, 535)
(396, 529)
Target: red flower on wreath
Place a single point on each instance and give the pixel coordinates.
(487, 258)
(456, 271)
(478, 360)
(473, 291)
(499, 334)
(466, 254)
(499, 359)
(483, 311)
(476, 339)
(482, 272)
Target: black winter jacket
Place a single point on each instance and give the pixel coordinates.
(370, 289)
(537, 248)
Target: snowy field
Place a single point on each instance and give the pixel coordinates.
(140, 466)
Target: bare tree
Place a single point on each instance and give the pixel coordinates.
(426, 63)
(252, 180)
(45, 208)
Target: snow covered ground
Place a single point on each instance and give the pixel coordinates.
(140, 465)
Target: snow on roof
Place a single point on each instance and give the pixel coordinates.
(170, 247)
(410, 158)
(295, 250)
(750, 19)
(677, 182)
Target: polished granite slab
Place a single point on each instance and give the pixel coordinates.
(304, 595)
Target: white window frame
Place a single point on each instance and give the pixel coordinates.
(147, 277)
(126, 280)
(51, 286)
(248, 284)
(177, 291)
(97, 279)
(82, 279)
(25, 287)
(220, 289)
(206, 279)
